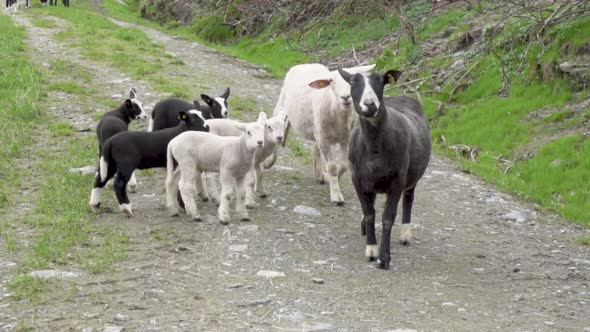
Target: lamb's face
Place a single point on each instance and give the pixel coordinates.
(254, 135)
(341, 90)
(275, 129)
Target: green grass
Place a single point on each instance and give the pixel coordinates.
(60, 129)
(26, 287)
(43, 23)
(584, 240)
(20, 90)
(68, 87)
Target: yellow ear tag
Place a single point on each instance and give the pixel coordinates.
(324, 84)
(183, 117)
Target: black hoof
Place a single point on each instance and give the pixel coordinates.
(404, 243)
(263, 195)
(340, 203)
(245, 219)
(371, 259)
(382, 265)
(205, 199)
(363, 230)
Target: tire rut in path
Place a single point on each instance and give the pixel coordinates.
(469, 267)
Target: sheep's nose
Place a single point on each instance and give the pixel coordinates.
(369, 102)
(345, 98)
(260, 143)
(279, 138)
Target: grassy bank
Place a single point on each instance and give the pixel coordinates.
(54, 227)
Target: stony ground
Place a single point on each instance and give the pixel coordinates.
(480, 260)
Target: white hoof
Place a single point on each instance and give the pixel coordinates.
(250, 204)
(371, 252)
(126, 209)
(405, 234)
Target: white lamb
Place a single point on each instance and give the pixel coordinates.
(320, 115)
(275, 127)
(197, 152)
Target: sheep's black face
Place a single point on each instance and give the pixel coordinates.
(367, 91)
(218, 106)
(194, 120)
(134, 109)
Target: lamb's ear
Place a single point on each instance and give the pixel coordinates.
(225, 95)
(320, 84)
(196, 104)
(262, 117)
(128, 103)
(345, 75)
(240, 126)
(391, 76)
(183, 116)
(207, 99)
(132, 93)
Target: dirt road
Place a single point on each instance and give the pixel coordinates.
(480, 260)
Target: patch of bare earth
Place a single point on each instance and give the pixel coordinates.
(480, 260)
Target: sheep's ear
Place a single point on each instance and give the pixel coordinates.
(262, 117)
(225, 95)
(128, 103)
(133, 93)
(240, 126)
(391, 76)
(183, 116)
(196, 105)
(320, 84)
(207, 99)
(345, 75)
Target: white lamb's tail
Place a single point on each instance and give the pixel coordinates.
(151, 123)
(169, 163)
(104, 169)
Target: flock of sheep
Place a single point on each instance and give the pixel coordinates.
(386, 141)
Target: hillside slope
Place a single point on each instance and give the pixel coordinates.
(505, 84)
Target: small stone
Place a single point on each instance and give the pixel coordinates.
(321, 327)
(438, 173)
(516, 270)
(238, 285)
(283, 230)
(306, 210)
(448, 304)
(273, 202)
(327, 313)
(495, 199)
(84, 170)
(461, 310)
(113, 328)
(555, 163)
(478, 270)
(238, 247)
(121, 318)
(514, 216)
(282, 208)
(318, 280)
(254, 303)
(270, 274)
(320, 262)
(294, 317)
(402, 330)
(46, 274)
(548, 322)
(248, 228)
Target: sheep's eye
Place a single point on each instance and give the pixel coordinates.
(249, 134)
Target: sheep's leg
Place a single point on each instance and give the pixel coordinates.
(405, 234)
(132, 185)
(212, 189)
(187, 191)
(201, 191)
(120, 186)
(226, 189)
(172, 201)
(241, 209)
(95, 195)
(259, 188)
(331, 173)
(250, 191)
(367, 200)
(318, 167)
(388, 220)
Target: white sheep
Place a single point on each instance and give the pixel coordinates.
(275, 127)
(320, 115)
(232, 157)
